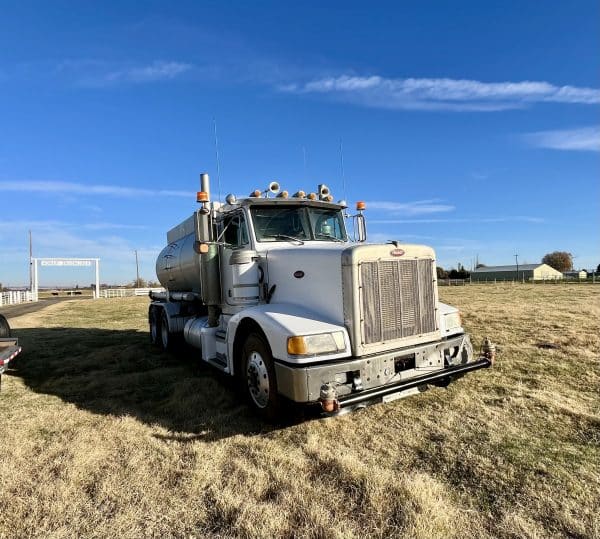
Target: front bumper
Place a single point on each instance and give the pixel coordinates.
(362, 379)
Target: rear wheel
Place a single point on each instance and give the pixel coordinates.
(258, 376)
(154, 320)
(166, 337)
(4, 327)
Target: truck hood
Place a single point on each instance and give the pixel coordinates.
(310, 276)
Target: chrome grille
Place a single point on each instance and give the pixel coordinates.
(397, 299)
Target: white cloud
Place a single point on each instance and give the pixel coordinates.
(85, 189)
(442, 93)
(56, 238)
(582, 139)
(156, 71)
(419, 207)
(515, 218)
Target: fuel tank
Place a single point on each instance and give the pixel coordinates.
(178, 266)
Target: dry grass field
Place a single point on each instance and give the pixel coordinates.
(101, 436)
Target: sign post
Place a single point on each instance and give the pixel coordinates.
(65, 262)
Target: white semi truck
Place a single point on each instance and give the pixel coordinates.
(272, 289)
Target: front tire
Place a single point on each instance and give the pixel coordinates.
(258, 376)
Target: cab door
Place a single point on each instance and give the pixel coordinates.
(239, 269)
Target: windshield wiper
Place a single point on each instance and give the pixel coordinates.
(330, 237)
(285, 237)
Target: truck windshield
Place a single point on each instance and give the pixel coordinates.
(302, 223)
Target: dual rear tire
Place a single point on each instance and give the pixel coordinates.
(160, 335)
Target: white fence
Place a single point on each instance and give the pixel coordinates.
(127, 292)
(13, 297)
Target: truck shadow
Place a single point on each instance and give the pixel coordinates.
(119, 373)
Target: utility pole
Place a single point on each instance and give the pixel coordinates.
(137, 270)
(517, 261)
(30, 263)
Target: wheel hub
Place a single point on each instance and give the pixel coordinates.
(258, 379)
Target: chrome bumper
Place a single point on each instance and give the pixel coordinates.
(359, 379)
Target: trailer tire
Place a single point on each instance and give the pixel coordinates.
(166, 337)
(258, 377)
(4, 327)
(154, 321)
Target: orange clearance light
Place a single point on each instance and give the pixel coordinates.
(360, 205)
(312, 196)
(201, 196)
(255, 194)
(300, 194)
(283, 194)
(328, 198)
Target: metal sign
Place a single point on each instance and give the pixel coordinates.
(66, 262)
(61, 263)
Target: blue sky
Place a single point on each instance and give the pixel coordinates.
(470, 126)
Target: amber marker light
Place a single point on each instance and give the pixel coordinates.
(255, 194)
(296, 346)
(201, 196)
(360, 205)
(312, 196)
(283, 194)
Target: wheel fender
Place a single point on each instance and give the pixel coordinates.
(280, 321)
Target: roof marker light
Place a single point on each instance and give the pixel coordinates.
(360, 206)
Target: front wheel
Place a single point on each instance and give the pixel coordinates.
(258, 375)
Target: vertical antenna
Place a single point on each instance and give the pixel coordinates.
(217, 156)
(342, 168)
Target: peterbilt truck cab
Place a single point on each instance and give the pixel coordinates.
(274, 290)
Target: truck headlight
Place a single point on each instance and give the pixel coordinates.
(452, 321)
(323, 343)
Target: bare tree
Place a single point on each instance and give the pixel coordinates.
(559, 260)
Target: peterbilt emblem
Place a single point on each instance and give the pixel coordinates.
(397, 252)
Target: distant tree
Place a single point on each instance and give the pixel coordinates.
(460, 273)
(441, 273)
(2, 288)
(597, 271)
(139, 283)
(559, 260)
